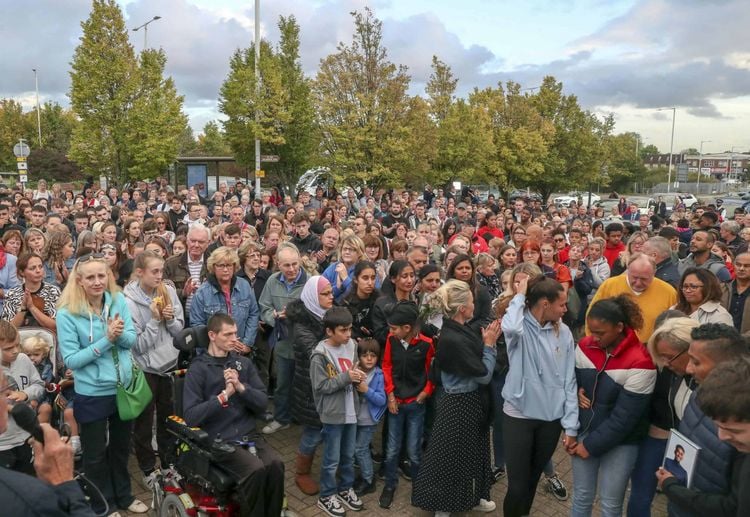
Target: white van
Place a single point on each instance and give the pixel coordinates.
(314, 178)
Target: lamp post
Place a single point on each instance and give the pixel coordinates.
(730, 168)
(257, 92)
(700, 165)
(38, 112)
(671, 147)
(144, 26)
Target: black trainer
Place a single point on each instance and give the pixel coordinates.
(498, 473)
(362, 487)
(404, 468)
(386, 497)
(351, 500)
(557, 488)
(332, 506)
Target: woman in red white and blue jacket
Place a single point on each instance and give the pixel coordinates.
(616, 378)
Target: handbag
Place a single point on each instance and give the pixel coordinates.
(133, 399)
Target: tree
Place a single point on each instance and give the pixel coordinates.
(57, 126)
(239, 100)
(187, 144)
(52, 165)
(131, 120)
(648, 150)
(103, 85)
(299, 132)
(155, 119)
(13, 126)
(620, 162)
(212, 142)
(362, 109)
(440, 89)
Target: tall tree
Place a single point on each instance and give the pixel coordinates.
(239, 100)
(57, 124)
(13, 126)
(212, 141)
(362, 104)
(296, 152)
(103, 85)
(440, 89)
(155, 119)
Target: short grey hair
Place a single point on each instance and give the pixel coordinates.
(286, 246)
(198, 227)
(732, 227)
(661, 246)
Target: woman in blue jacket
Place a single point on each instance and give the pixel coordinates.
(540, 389)
(94, 326)
(616, 378)
(341, 273)
(225, 292)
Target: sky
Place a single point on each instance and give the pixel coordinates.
(626, 57)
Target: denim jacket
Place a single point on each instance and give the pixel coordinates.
(458, 384)
(49, 272)
(209, 300)
(8, 278)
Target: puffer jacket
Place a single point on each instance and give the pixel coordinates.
(712, 471)
(153, 350)
(306, 332)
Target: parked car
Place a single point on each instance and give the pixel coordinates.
(571, 197)
(525, 194)
(314, 178)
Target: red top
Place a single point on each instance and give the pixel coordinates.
(612, 253)
(409, 380)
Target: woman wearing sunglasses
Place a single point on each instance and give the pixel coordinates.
(94, 326)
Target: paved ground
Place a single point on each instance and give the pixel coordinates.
(285, 442)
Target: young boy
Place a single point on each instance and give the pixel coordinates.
(406, 365)
(59, 390)
(372, 404)
(333, 374)
(15, 453)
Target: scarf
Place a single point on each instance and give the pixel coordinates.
(313, 287)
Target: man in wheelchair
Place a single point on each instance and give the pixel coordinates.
(223, 394)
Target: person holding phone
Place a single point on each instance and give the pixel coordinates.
(94, 324)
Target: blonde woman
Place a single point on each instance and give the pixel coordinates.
(635, 245)
(341, 273)
(94, 327)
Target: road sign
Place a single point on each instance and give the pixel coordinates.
(21, 149)
(20, 158)
(23, 178)
(270, 158)
(260, 174)
(23, 166)
(682, 172)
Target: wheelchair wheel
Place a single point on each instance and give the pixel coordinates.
(173, 506)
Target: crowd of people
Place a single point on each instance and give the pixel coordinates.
(429, 336)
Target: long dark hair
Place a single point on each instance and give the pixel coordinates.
(450, 274)
(361, 266)
(542, 288)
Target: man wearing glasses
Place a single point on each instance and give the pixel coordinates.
(736, 292)
(188, 270)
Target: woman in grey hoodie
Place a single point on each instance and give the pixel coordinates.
(157, 316)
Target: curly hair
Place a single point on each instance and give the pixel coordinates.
(620, 309)
(53, 250)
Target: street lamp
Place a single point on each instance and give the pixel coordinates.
(671, 147)
(257, 91)
(730, 168)
(38, 112)
(145, 30)
(700, 165)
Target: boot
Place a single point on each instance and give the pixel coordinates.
(305, 483)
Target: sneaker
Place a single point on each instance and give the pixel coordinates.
(498, 473)
(557, 488)
(332, 506)
(137, 506)
(362, 487)
(351, 500)
(274, 426)
(485, 506)
(404, 468)
(268, 416)
(386, 497)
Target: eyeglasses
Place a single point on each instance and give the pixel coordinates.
(559, 240)
(161, 223)
(223, 266)
(90, 256)
(691, 287)
(671, 359)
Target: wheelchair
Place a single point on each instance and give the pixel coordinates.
(194, 484)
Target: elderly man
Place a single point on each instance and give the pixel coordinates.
(730, 235)
(652, 295)
(734, 296)
(281, 288)
(659, 249)
(188, 270)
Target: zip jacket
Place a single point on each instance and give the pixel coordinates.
(331, 386)
(153, 350)
(406, 369)
(87, 350)
(541, 381)
(619, 384)
(209, 299)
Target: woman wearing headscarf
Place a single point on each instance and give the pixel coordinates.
(306, 318)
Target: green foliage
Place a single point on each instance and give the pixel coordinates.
(362, 109)
(212, 142)
(440, 89)
(13, 125)
(53, 166)
(131, 117)
(647, 150)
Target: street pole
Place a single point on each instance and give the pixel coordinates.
(671, 148)
(144, 26)
(38, 112)
(257, 93)
(700, 165)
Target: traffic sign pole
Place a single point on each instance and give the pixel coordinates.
(22, 150)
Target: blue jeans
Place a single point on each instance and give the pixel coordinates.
(364, 458)
(643, 479)
(310, 439)
(615, 467)
(284, 378)
(339, 441)
(498, 382)
(409, 419)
